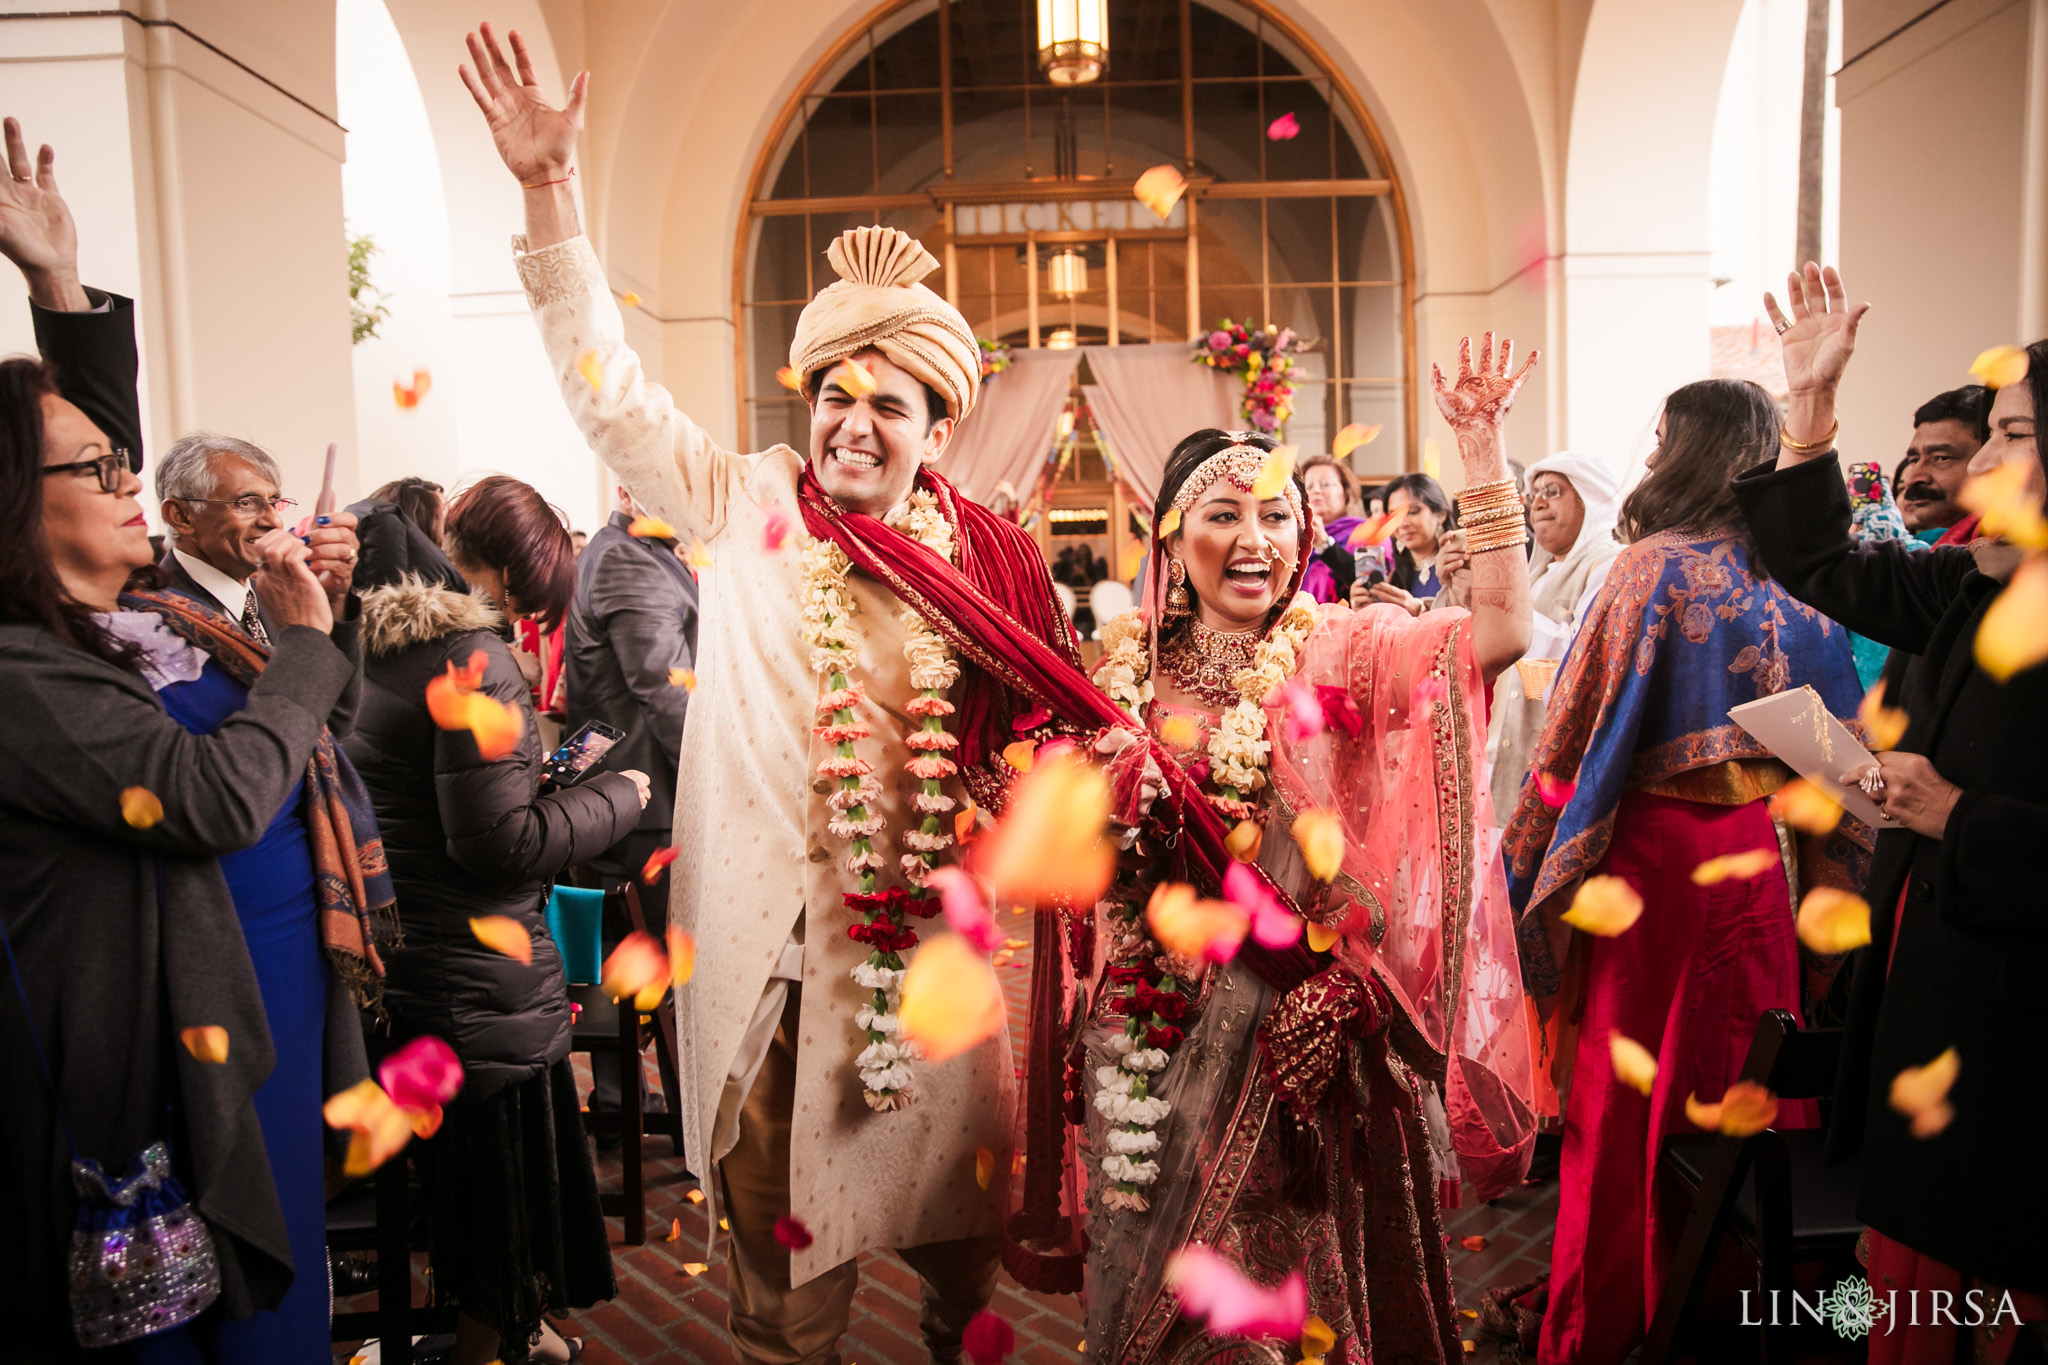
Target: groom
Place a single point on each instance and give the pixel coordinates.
(773, 1097)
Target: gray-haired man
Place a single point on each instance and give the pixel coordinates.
(220, 496)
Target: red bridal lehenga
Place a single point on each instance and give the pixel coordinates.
(1317, 1130)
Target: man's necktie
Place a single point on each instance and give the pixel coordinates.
(252, 624)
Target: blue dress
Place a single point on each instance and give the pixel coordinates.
(272, 886)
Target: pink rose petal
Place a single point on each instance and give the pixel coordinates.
(1210, 1287)
(423, 1074)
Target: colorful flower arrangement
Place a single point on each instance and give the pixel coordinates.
(995, 357)
(882, 913)
(1266, 358)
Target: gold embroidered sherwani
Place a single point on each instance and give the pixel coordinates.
(750, 817)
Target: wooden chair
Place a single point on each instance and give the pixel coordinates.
(381, 1214)
(1771, 1190)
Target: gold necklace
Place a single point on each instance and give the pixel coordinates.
(1204, 662)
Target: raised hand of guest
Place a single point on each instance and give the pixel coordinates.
(36, 231)
(1909, 791)
(1400, 597)
(1476, 407)
(535, 139)
(1451, 557)
(286, 585)
(1818, 338)
(1477, 403)
(334, 553)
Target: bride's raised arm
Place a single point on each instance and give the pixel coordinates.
(1490, 510)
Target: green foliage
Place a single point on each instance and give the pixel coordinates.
(365, 300)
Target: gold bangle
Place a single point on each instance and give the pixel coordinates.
(1480, 504)
(1496, 538)
(1490, 486)
(1809, 447)
(1492, 516)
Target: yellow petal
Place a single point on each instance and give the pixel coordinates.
(630, 299)
(652, 527)
(1321, 837)
(1833, 921)
(1244, 841)
(1189, 926)
(380, 1128)
(1604, 906)
(789, 379)
(698, 556)
(1747, 1109)
(140, 808)
(1316, 1338)
(854, 377)
(675, 1229)
(1806, 807)
(1999, 366)
(1050, 843)
(951, 999)
(503, 934)
(1169, 523)
(1322, 937)
(1159, 189)
(1921, 1093)
(2009, 511)
(682, 957)
(1884, 725)
(685, 678)
(1735, 867)
(1180, 733)
(1633, 1064)
(1352, 437)
(694, 1196)
(591, 369)
(2014, 632)
(1432, 461)
(1274, 476)
(984, 1166)
(694, 1268)
(1021, 754)
(207, 1042)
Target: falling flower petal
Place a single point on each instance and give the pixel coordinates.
(1353, 436)
(966, 907)
(791, 1232)
(1339, 710)
(1020, 754)
(1604, 906)
(503, 934)
(1833, 921)
(592, 370)
(2009, 511)
(1633, 1064)
(651, 528)
(984, 1166)
(207, 1042)
(1304, 710)
(636, 967)
(951, 1000)
(967, 823)
(1885, 725)
(698, 556)
(789, 379)
(774, 530)
(455, 704)
(409, 395)
(1321, 837)
(1921, 1094)
(140, 807)
(1747, 1109)
(1159, 189)
(1317, 1339)
(675, 1230)
(1555, 792)
(685, 678)
(1273, 925)
(1284, 128)
(1169, 523)
(1370, 531)
(650, 872)
(1210, 1287)
(423, 1074)
(1273, 476)
(1999, 366)
(1180, 733)
(694, 1196)
(989, 1338)
(1806, 807)
(682, 956)
(630, 299)
(1244, 841)
(1474, 1243)
(853, 377)
(1191, 927)
(1323, 937)
(694, 1268)
(379, 1129)
(2014, 632)
(1049, 845)
(1732, 867)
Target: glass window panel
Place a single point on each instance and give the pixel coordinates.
(1222, 46)
(1229, 133)
(911, 152)
(769, 329)
(1381, 405)
(841, 147)
(1144, 129)
(1371, 319)
(1307, 313)
(778, 266)
(1144, 41)
(1298, 241)
(1233, 242)
(1306, 155)
(1365, 239)
(988, 135)
(909, 57)
(994, 43)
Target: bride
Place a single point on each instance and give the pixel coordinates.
(1308, 1107)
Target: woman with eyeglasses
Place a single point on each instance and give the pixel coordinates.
(119, 925)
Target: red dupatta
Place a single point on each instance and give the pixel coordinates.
(999, 612)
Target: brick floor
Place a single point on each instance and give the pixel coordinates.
(664, 1314)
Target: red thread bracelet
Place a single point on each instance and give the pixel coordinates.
(543, 184)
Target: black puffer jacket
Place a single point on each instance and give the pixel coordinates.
(393, 547)
(468, 838)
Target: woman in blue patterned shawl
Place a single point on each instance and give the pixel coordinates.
(1650, 779)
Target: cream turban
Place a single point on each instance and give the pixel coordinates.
(877, 301)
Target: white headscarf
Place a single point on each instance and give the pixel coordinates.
(1598, 486)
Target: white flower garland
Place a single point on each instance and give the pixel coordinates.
(1238, 754)
(885, 1057)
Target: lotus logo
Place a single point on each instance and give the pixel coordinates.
(1853, 1309)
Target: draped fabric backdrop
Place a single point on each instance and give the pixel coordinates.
(1147, 398)
(1010, 432)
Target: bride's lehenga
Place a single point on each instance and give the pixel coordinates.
(1304, 1134)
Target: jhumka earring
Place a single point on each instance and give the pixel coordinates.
(1177, 592)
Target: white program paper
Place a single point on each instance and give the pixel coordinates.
(1798, 727)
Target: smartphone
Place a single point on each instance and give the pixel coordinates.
(580, 753)
(1374, 579)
